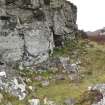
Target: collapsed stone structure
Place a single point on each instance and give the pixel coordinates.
(30, 29)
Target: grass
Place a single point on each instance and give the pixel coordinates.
(60, 92)
(92, 72)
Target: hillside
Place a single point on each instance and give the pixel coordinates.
(60, 88)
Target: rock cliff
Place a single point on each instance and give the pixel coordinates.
(30, 29)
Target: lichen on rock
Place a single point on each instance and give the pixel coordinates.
(30, 29)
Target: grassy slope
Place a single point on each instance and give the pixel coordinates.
(92, 70)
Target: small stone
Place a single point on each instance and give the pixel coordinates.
(50, 102)
(34, 101)
(39, 78)
(70, 101)
(30, 87)
(21, 66)
(73, 77)
(18, 88)
(54, 69)
(60, 77)
(22, 96)
(45, 83)
(3, 74)
(50, 77)
(70, 68)
(28, 80)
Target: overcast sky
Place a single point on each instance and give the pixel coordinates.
(91, 14)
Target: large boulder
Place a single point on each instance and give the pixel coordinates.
(30, 29)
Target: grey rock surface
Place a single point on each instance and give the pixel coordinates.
(30, 29)
(14, 86)
(101, 88)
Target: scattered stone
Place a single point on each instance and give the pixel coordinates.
(3, 74)
(60, 77)
(21, 66)
(39, 78)
(70, 68)
(22, 96)
(70, 101)
(45, 83)
(73, 77)
(100, 87)
(18, 89)
(46, 101)
(50, 77)
(34, 101)
(50, 102)
(64, 60)
(28, 80)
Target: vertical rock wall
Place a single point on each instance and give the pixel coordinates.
(30, 29)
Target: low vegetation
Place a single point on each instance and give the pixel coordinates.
(92, 71)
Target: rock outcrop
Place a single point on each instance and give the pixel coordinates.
(30, 29)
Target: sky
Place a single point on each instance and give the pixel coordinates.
(91, 14)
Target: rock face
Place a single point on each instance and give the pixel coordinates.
(30, 29)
